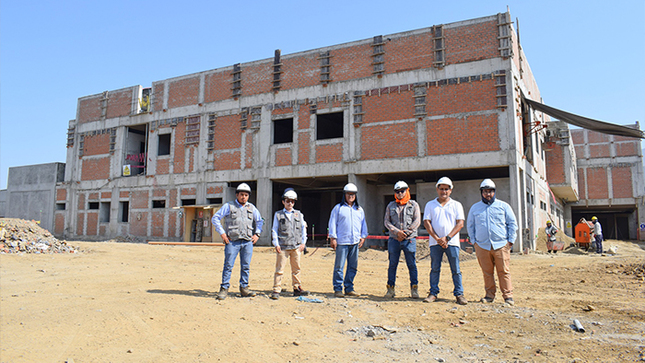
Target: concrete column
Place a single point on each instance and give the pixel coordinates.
(515, 202)
(264, 201)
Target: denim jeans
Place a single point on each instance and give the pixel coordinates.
(409, 248)
(598, 239)
(344, 253)
(245, 249)
(436, 255)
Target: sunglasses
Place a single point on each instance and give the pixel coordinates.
(400, 191)
(290, 201)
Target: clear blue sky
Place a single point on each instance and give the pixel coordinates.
(588, 56)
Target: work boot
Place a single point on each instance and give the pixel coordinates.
(390, 292)
(275, 295)
(298, 291)
(431, 298)
(222, 294)
(414, 291)
(461, 300)
(246, 292)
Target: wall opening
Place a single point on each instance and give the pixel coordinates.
(104, 212)
(329, 125)
(60, 206)
(188, 202)
(93, 205)
(164, 145)
(124, 212)
(135, 150)
(283, 131)
(158, 204)
(214, 200)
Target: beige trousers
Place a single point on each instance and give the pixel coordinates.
(281, 260)
(499, 260)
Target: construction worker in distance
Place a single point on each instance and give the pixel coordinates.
(402, 219)
(243, 228)
(444, 218)
(597, 233)
(347, 233)
(289, 237)
(550, 231)
(492, 228)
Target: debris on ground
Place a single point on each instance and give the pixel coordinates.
(22, 236)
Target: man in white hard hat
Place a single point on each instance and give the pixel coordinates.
(243, 228)
(492, 228)
(347, 233)
(402, 219)
(289, 237)
(443, 217)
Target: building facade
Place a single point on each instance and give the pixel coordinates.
(441, 101)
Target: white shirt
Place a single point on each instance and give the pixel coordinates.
(443, 219)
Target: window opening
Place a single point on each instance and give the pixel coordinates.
(188, 201)
(164, 145)
(135, 150)
(124, 212)
(329, 125)
(283, 131)
(159, 204)
(93, 205)
(214, 200)
(104, 213)
(60, 206)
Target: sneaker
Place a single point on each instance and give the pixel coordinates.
(509, 301)
(300, 292)
(275, 295)
(487, 300)
(222, 294)
(352, 293)
(246, 292)
(338, 294)
(461, 300)
(430, 298)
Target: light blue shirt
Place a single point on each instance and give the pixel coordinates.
(347, 224)
(276, 225)
(491, 226)
(226, 210)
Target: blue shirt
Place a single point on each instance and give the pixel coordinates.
(226, 210)
(491, 226)
(347, 224)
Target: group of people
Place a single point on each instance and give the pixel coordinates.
(492, 228)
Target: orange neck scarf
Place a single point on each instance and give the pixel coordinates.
(405, 199)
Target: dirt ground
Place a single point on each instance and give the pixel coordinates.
(133, 302)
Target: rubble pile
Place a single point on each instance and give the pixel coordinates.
(21, 236)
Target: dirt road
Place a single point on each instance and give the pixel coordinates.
(127, 302)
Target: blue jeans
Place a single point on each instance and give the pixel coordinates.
(598, 239)
(409, 248)
(436, 255)
(245, 249)
(344, 253)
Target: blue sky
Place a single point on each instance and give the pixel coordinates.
(588, 56)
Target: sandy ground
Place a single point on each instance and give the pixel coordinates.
(128, 302)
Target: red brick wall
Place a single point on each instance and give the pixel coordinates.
(183, 92)
(93, 196)
(96, 145)
(388, 107)
(408, 53)
(596, 137)
(217, 86)
(158, 90)
(227, 160)
(80, 223)
(158, 224)
(102, 230)
(95, 169)
(179, 139)
(92, 224)
(139, 227)
(463, 97)
(626, 148)
(471, 42)
(329, 153)
(228, 134)
(257, 78)
(106, 195)
(248, 162)
(599, 151)
(578, 136)
(61, 195)
(163, 166)
(304, 117)
(172, 224)
(597, 183)
(621, 179)
(124, 194)
(469, 134)
(188, 191)
(555, 173)
(120, 103)
(59, 223)
(389, 141)
(156, 193)
(303, 147)
(300, 71)
(580, 152)
(581, 183)
(351, 62)
(214, 190)
(140, 199)
(81, 202)
(172, 199)
(89, 109)
(282, 156)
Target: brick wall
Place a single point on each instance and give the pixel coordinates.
(95, 169)
(599, 150)
(158, 90)
(163, 166)
(463, 97)
(304, 117)
(257, 78)
(179, 141)
(158, 224)
(139, 223)
(106, 195)
(283, 156)
(80, 223)
(621, 180)
(597, 183)
(303, 147)
(627, 148)
(81, 202)
(120, 103)
(471, 42)
(217, 86)
(89, 109)
(555, 172)
(409, 52)
(468, 134)
(388, 107)
(96, 145)
(248, 160)
(228, 134)
(227, 160)
(389, 141)
(61, 195)
(214, 190)
(140, 199)
(351, 62)
(183, 92)
(300, 71)
(328, 153)
(59, 223)
(92, 224)
(172, 198)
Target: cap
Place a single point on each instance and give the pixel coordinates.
(445, 181)
(400, 185)
(243, 188)
(487, 184)
(350, 188)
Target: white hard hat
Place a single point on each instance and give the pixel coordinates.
(350, 188)
(400, 185)
(445, 181)
(243, 188)
(290, 194)
(487, 184)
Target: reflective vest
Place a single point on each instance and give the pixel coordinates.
(239, 222)
(289, 230)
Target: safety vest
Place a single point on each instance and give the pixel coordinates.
(408, 216)
(289, 230)
(240, 224)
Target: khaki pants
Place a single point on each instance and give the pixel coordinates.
(499, 260)
(281, 260)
